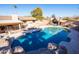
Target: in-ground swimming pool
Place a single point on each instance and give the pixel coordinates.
(39, 39)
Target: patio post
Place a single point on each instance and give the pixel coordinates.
(19, 26)
(8, 31)
(59, 21)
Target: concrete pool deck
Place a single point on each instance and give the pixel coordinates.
(73, 45)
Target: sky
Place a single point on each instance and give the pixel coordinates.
(48, 9)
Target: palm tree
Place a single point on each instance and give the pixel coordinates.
(15, 7)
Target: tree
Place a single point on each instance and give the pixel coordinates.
(67, 18)
(15, 9)
(54, 20)
(37, 13)
(53, 16)
(76, 18)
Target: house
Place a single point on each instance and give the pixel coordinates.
(8, 23)
(14, 22)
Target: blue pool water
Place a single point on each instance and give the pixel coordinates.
(39, 39)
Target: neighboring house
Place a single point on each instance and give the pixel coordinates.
(27, 18)
(27, 21)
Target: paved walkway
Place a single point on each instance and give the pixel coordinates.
(73, 45)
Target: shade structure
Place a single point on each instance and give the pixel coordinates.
(9, 22)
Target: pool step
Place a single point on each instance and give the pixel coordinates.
(47, 35)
